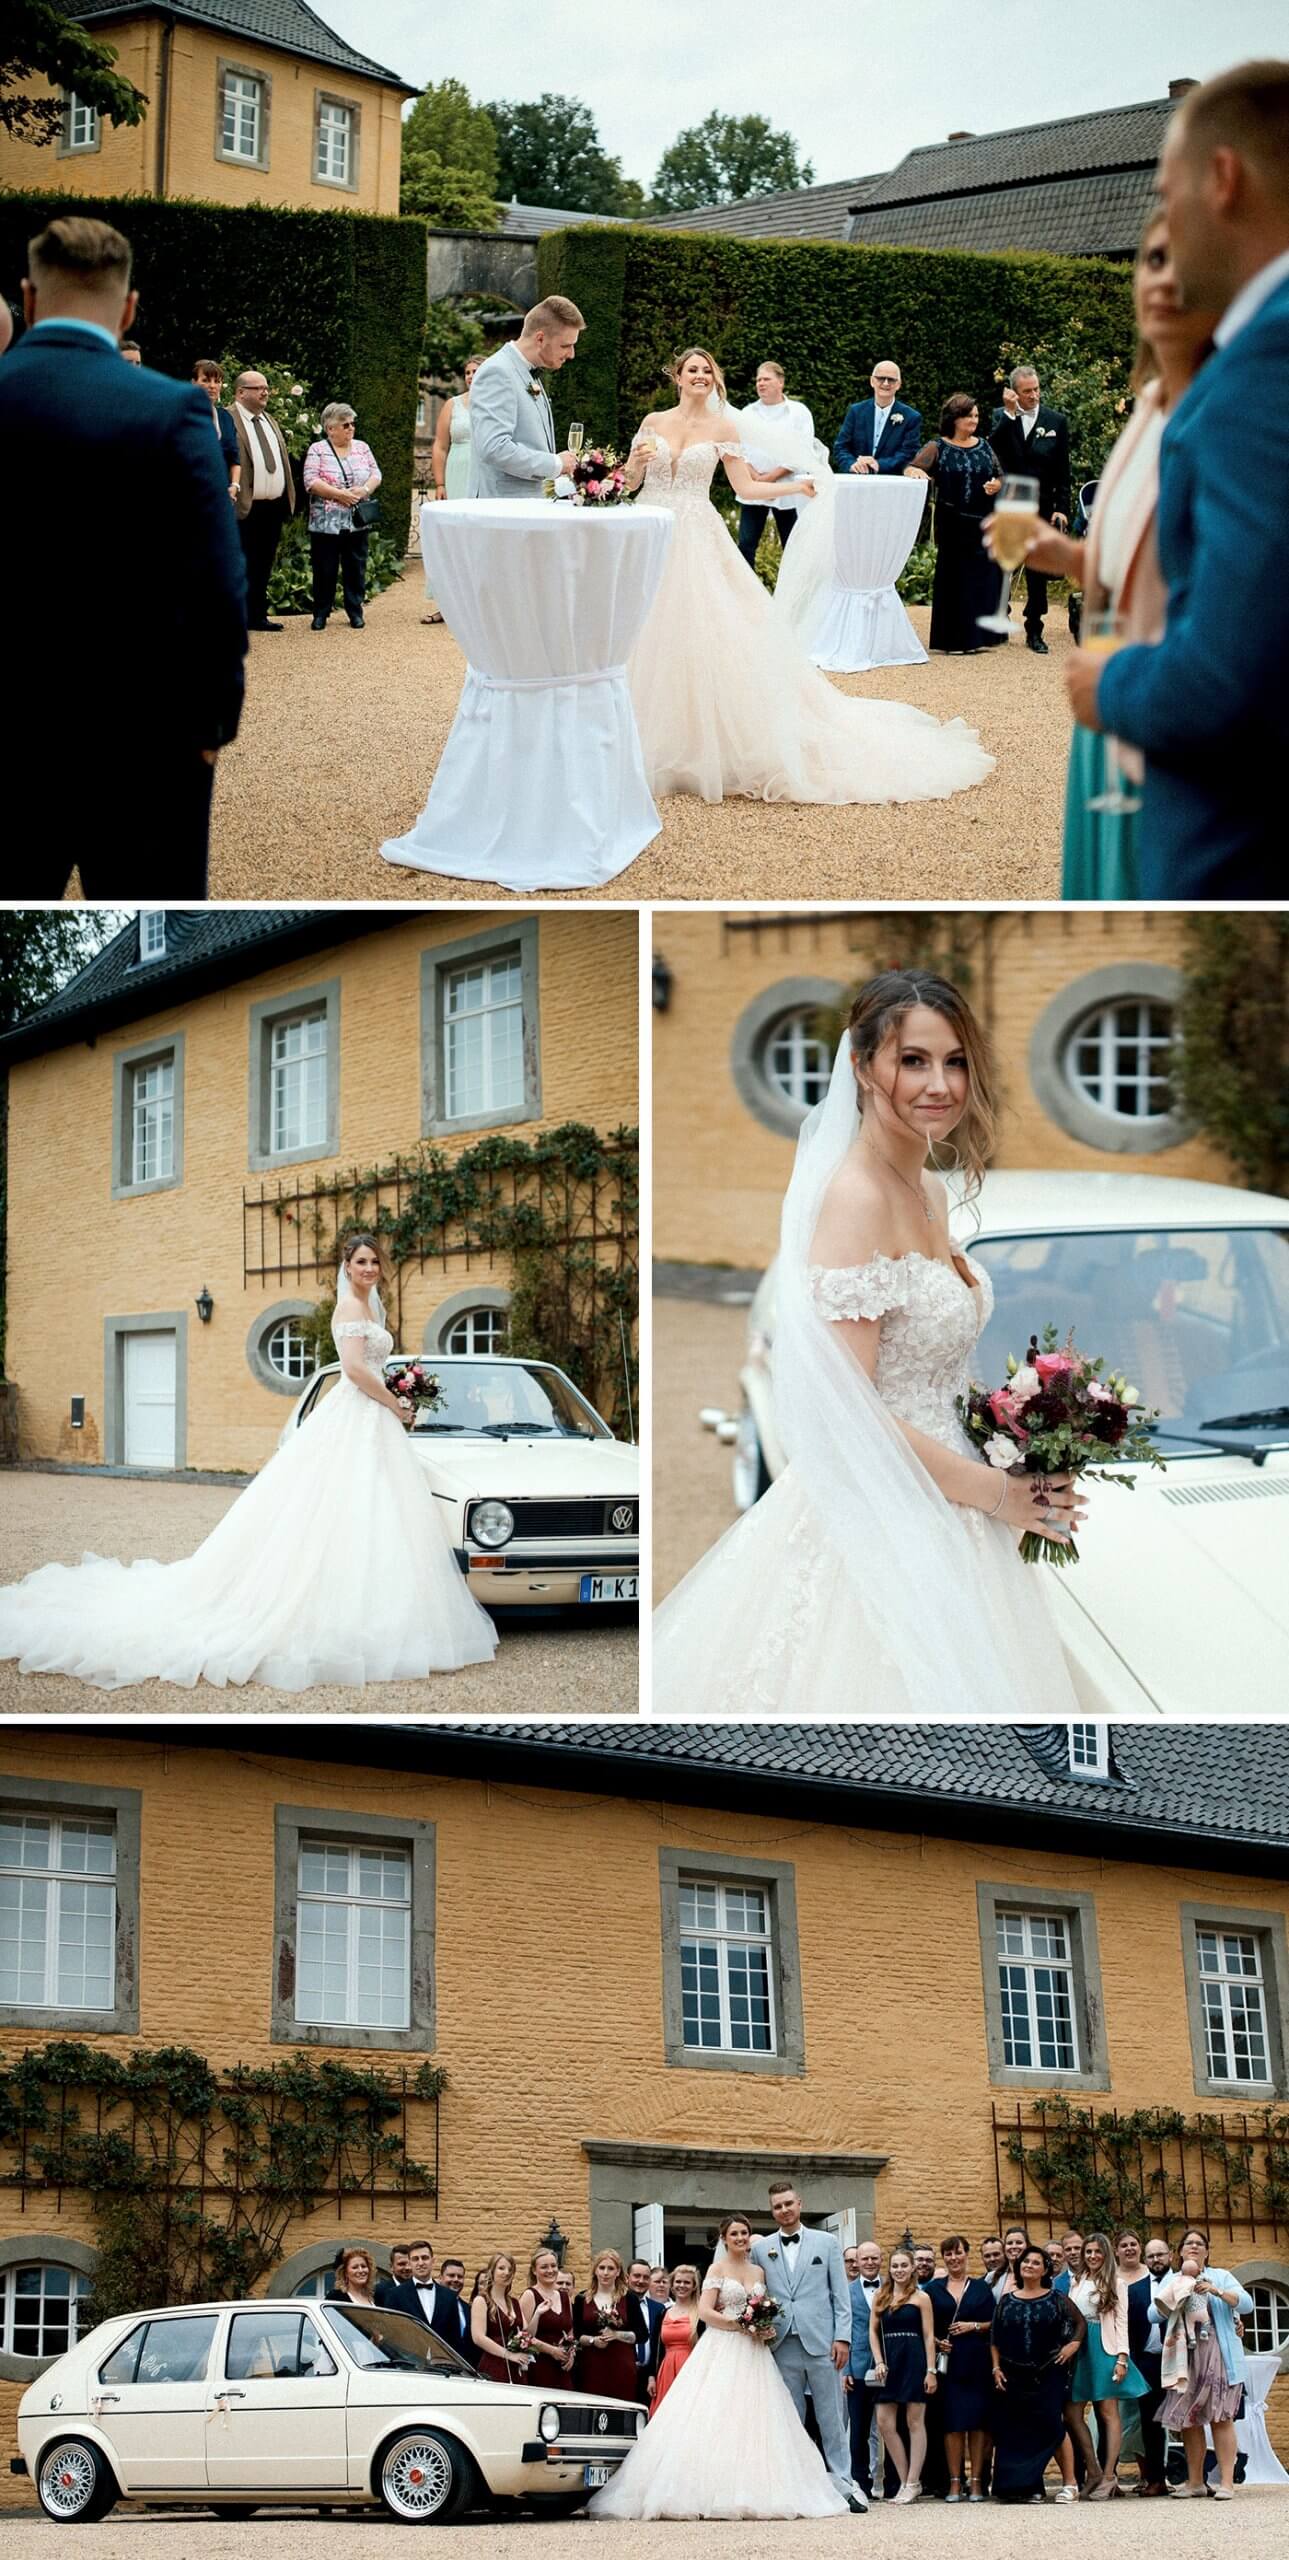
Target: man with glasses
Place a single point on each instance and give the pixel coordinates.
(265, 493)
(881, 434)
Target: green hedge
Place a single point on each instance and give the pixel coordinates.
(340, 295)
(825, 313)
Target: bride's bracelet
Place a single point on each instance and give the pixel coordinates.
(992, 1515)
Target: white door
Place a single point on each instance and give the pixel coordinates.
(646, 2234)
(150, 1364)
(844, 2226)
(150, 2400)
(277, 2412)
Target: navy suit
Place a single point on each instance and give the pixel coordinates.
(901, 436)
(125, 577)
(1042, 455)
(228, 444)
(1207, 704)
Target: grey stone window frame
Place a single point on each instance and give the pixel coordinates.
(1269, 1928)
(224, 69)
(125, 1805)
(778, 1878)
(696, 2180)
(66, 149)
(262, 1157)
(257, 1359)
(461, 1303)
(440, 962)
(336, 98)
(125, 1063)
(358, 1830)
(751, 1038)
(41, 2249)
(115, 1329)
(1078, 1910)
(1248, 2272)
(1119, 982)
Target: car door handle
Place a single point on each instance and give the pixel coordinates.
(108, 2399)
(230, 2395)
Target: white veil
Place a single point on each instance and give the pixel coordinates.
(806, 566)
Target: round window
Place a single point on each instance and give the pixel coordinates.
(797, 1063)
(1117, 1058)
(291, 1351)
(477, 1329)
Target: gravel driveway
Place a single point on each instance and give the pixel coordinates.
(303, 798)
(587, 1667)
(697, 1355)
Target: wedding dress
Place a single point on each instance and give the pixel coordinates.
(332, 1568)
(727, 703)
(726, 2441)
(854, 1588)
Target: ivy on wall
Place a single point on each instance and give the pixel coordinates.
(1231, 1062)
(1151, 2167)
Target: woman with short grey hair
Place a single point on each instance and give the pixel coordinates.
(340, 475)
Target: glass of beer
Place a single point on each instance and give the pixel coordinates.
(1015, 516)
(1101, 635)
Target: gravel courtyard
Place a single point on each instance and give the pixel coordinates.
(342, 731)
(697, 1354)
(582, 1669)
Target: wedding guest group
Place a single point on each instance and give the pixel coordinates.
(265, 494)
(341, 476)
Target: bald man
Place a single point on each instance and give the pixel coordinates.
(881, 434)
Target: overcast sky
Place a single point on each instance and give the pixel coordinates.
(856, 84)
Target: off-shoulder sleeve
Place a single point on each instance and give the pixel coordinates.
(870, 1290)
(338, 1331)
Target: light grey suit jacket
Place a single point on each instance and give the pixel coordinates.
(512, 431)
(810, 2285)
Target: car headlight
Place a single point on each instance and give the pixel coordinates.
(492, 1523)
(548, 2424)
(642, 2421)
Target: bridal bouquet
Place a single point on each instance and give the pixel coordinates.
(1057, 1415)
(421, 1387)
(599, 478)
(758, 2316)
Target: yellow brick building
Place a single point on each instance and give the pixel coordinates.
(171, 1111)
(1067, 997)
(811, 1948)
(249, 101)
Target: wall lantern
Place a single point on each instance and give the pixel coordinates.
(663, 982)
(205, 1307)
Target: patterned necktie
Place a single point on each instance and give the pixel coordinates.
(265, 442)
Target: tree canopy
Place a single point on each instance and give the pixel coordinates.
(725, 159)
(38, 38)
(449, 165)
(549, 153)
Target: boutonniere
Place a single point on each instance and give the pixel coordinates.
(1044, 431)
(772, 2253)
(897, 417)
(534, 391)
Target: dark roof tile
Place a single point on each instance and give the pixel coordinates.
(204, 946)
(1088, 217)
(1067, 146)
(800, 213)
(289, 26)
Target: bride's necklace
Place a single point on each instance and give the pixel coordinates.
(916, 1188)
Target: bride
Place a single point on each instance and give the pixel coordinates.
(880, 1576)
(331, 1568)
(726, 2441)
(726, 701)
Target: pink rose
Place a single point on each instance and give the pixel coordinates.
(1002, 1405)
(1053, 1364)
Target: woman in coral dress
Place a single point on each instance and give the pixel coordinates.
(679, 2331)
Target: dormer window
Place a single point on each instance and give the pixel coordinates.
(1089, 1750)
(152, 934)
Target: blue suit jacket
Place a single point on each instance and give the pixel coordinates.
(901, 436)
(861, 2344)
(229, 446)
(1207, 705)
(124, 552)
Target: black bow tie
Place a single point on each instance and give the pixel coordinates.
(535, 371)
(790, 2239)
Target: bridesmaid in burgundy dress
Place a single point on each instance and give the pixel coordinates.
(678, 2334)
(547, 2312)
(495, 2316)
(609, 2325)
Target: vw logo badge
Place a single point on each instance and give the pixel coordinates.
(602, 2422)
(624, 1516)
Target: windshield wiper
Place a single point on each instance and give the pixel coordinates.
(514, 1430)
(1203, 1436)
(1267, 1418)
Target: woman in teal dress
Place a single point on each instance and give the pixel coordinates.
(1104, 2372)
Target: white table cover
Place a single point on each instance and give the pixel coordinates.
(541, 784)
(1263, 2466)
(862, 622)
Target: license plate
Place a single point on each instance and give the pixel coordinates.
(610, 1586)
(595, 2475)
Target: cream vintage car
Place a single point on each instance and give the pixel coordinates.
(237, 2405)
(540, 1503)
(1180, 1601)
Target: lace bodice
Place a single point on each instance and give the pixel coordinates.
(377, 1343)
(688, 486)
(930, 1324)
(734, 2296)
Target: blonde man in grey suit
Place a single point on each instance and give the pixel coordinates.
(512, 428)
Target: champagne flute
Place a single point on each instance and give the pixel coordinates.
(576, 437)
(1015, 516)
(1101, 635)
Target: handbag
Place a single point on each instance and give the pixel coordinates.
(367, 512)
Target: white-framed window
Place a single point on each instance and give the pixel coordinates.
(1266, 2329)
(1118, 1055)
(797, 1062)
(57, 1912)
(483, 1037)
(152, 933)
(1233, 1995)
(314, 2288)
(477, 1329)
(242, 116)
(1036, 1990)
(1089, 1751)
(334, 161)
(353, 1935)
(38, 2308)
(726, 1987)
(420, 408)
(291, 1350)
(298, 1081)
(152, 1120)
(81, 132)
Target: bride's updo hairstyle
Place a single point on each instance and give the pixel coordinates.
(674, 370)
(350, 1247)
(878, 1011)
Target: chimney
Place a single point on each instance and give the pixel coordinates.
(961, 137)
(1181, 88)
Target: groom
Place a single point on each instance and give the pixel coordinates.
(806, 2273)
(512, 428)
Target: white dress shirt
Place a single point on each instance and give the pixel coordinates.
(1250, 298)
(266, 481)
(783, 413)
(881, 417)
(1028, 419)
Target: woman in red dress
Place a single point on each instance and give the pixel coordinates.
(547, 2312)
(609, 2326)
(678, 2334)
(496, 2318)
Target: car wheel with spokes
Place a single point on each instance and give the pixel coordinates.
(74, 2484)
(424, 2477)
